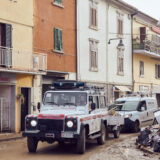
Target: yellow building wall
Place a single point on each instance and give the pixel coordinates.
(149, 71)
(149, 63)
(22, 81)
(20, 15)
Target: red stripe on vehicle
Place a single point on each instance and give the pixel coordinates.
(50, 116)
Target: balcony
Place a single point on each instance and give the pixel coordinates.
(150, 46)
(22, 61)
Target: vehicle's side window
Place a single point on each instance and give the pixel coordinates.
(96, 101)
(102, 101)
(143, 106)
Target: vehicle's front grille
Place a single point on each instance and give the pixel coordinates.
(50, 125)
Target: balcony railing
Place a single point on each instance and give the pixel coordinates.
(22, 60)
(151, 44)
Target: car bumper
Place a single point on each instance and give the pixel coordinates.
(53, 135)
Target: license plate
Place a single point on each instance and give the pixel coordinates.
(67, 135)
(49, 135)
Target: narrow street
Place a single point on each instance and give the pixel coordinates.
(114, 149)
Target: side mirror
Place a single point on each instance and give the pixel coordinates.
(93, 106)
(38, 106)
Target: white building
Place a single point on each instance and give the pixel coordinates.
(98, 62)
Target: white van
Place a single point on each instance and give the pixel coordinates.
(137, 111)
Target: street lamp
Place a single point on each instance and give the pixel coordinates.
(120, 41)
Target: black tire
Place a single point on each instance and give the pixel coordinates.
(155, 122)
(102, 138)
(32, 144)
(81, 142)
(116, 133)
(136, 127)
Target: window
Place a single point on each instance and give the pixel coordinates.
(93, 14)
(5, 45)
(120, 58)
(58, 45)
(157, 68)
(93, 55)
(59, 2)
(141, 69)
(120, 24)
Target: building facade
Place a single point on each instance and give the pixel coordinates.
(55, 35)
(100, 63)
(146, 55)
(17, 67)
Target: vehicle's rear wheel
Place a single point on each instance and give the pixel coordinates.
(102, 138)
(136, 127)
(116, 133)
(32, 144)
(81, 142)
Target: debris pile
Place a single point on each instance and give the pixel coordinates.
(149, 139)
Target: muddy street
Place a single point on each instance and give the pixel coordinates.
(114, 149)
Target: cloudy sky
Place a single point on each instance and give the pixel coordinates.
(151, 7)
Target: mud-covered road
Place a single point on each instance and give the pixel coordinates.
(114, 149)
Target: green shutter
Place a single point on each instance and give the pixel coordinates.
(60, 38)
(58, 45)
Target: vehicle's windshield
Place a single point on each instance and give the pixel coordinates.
(126, 106)
(65, 98)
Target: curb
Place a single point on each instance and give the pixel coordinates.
(10, 138)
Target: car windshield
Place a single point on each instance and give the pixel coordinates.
(65, 98)
(126, 106)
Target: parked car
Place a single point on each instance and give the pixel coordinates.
(137, 111)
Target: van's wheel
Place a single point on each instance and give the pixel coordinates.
(136, 127)
(81, 142)
(116, 133)
(102, 138)
(32, 144)
(155, 122)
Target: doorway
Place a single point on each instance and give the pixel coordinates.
(158, 99)
(25, 102)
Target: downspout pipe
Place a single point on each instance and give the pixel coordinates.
(76, 25)
(132, 15)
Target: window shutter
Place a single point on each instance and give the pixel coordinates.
(156, 71)
(8, 35)
(55, 38)
(61, 42)
(0, 35)
(142, 34)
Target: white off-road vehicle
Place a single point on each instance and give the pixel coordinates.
(72, 112)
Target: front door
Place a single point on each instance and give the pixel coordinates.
(24, 106)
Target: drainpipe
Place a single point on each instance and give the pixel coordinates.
(132, 15)
(76, 24)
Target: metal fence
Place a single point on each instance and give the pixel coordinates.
(5, 57)
(151, 43)
(4, 115)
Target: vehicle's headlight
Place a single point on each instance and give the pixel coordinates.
(69, 124)
(128, 116)
(33, 123)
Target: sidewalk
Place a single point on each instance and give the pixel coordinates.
(10, 136)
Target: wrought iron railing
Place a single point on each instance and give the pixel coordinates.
(151, 43)
(22, 60)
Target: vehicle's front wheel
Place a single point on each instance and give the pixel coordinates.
(116, 133)
(81, 142)
(102, 138)
(32, 144)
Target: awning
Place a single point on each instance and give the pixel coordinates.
(123, 88)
